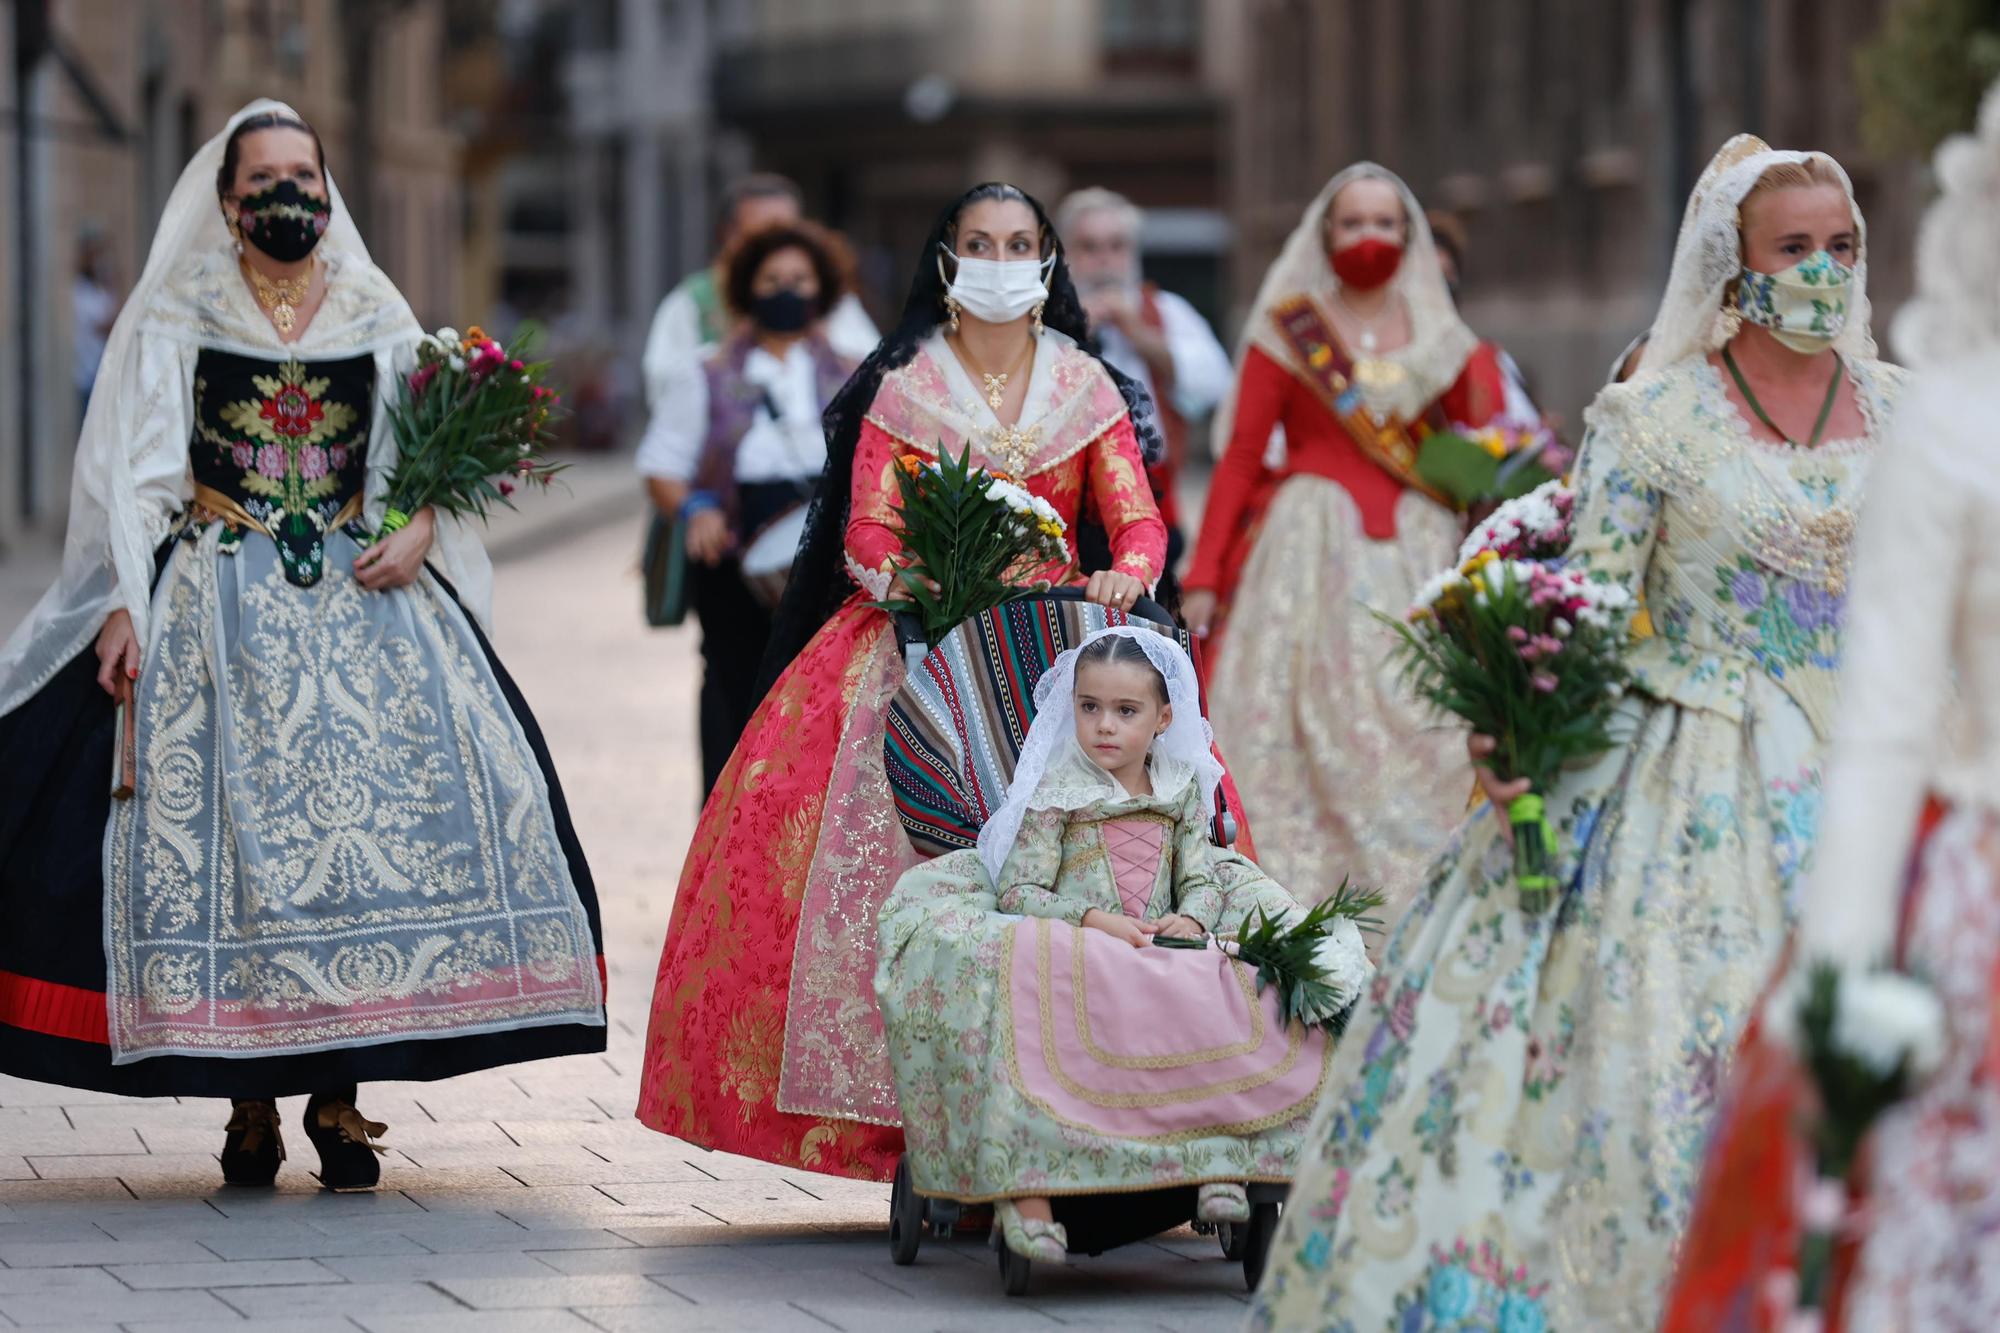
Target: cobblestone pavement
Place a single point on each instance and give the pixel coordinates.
(526, 1198)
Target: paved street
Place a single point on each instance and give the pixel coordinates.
(527, 1198)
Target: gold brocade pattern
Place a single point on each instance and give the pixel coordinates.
(1341, 771)
(340, 832)
(835, 1060)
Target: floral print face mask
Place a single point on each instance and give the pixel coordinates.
(1804, 306)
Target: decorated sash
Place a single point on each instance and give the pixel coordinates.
(1324, 366)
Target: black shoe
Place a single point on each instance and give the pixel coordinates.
(254, 1146)
(348, 1154)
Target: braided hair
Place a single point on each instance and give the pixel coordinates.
(818, 581)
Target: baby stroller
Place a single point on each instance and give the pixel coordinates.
(955, 732)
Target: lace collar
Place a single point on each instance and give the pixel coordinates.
(932, 400)
(207, 303)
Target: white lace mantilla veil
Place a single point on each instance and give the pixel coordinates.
(191, 295)
(1053, 772)
(1708, 255)
(1439, 342)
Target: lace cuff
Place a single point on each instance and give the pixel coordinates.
(874, 582)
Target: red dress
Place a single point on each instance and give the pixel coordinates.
(765, 1039)
(1316, 444)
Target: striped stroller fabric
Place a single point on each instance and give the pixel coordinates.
(957, 725)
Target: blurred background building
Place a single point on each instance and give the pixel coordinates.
(558, 159)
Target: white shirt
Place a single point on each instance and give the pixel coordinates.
(675, 338)
(1201, 367)
(786, 448)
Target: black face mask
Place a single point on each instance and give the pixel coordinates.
(284, 221)
(783, 311)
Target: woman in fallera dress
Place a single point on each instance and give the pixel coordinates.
(765, 1038)
(1354, 347)
(1519, 1108)
(346, 857)
(1897, 884)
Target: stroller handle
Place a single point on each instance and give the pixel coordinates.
(910, 628)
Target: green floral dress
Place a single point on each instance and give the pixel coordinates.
(1522, 1101)
(1033, 1057)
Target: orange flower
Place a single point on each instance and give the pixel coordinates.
(910, 464)
(473, 337)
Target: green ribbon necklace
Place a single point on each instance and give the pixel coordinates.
(1825, 408)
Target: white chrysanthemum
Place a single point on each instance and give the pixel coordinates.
(456, 363)
(1883, 1018)
(448, 336)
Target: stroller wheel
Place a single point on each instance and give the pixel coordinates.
(1232, 1236)
(906, 1217)
(1259, 1232)
(1014, 1269)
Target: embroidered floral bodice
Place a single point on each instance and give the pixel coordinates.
(287, 442)
(1142, 856)
(1739, 547)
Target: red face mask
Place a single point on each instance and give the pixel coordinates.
(1367, 263)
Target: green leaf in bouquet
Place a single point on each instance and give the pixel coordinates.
(1456, 466)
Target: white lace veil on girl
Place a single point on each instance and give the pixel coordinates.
(190, 293)
(1054, 773)
(1439, 342)
(1708, 255)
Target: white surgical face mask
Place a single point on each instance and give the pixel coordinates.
(999, 291)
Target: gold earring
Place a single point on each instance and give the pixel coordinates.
(951, 309)
(1038, 318)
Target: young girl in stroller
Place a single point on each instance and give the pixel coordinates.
(1044, 1043)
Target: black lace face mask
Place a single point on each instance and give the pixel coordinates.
(284, 221)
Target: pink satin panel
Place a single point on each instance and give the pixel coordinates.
(1134, 848)
(1179, 1047)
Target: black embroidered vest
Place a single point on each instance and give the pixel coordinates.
(283, 445)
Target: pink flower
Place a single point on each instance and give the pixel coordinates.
(1517, 634)
(312, 462)
(516, 366)
(271, 462)
(337, 456)
(1543, 682)
(421, 379)
(243, 452)
(1503, 1014)
(506, 487)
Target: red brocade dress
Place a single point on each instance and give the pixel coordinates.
(1341, 771)
(765, 1039)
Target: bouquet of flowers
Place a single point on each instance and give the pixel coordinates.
(1498, 461)
(472, 423)
(1318, 973)
(1526, 652)
(1865, 1036)
(972, 539)
(1535, 526)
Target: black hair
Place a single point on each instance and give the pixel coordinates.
(232, 151)
(829, 260)
(757, 185)
(818, 583)
(1121, 650)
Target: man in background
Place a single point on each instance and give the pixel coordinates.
(92, 310)
(1153, 336)
(693, 316)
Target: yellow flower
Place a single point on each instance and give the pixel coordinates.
(1477, 563)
